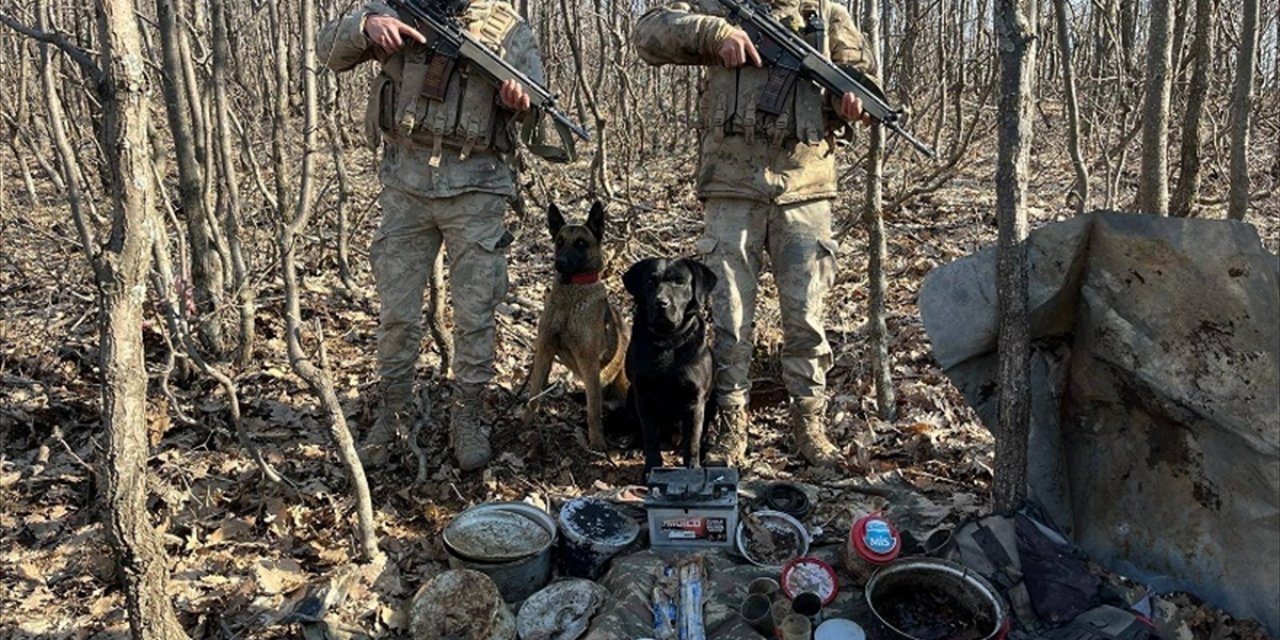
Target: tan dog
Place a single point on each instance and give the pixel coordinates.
(578, 325)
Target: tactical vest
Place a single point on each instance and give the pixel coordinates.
(769, 102)
(421, 99)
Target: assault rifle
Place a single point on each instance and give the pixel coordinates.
(788, 55)
(451, 42)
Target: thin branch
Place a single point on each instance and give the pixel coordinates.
(81, 56)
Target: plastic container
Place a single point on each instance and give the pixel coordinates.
(593, 532)
(873, 542)
(926, 597)
(810, 575)
(839, 629)
(519, 563)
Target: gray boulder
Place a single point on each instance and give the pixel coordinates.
(1155, 435)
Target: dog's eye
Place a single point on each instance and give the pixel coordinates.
(580, 244)
(559, 242)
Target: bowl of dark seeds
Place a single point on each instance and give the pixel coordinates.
(771, 538)
(931, 599)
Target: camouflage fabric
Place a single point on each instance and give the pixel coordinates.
(454, 196)
(797, 238)
(470, 130)
(628, 614)
(404, 248)
(746, 153)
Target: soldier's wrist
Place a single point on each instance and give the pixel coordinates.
(723, 31)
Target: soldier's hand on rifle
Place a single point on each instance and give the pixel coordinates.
(387, 32)
(737, 49)
(851, 110)
(513, 96)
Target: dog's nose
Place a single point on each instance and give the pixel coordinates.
(662, 303)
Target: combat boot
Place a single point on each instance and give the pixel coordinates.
(396, 414)
(728, 437)
(808, 426)
(468, 433)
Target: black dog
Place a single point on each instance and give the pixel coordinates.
(669, 359)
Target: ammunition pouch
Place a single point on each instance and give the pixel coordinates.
(424, 97)
(773, 102)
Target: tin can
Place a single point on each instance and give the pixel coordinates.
(873, 542)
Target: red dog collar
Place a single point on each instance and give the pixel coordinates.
(589, 277)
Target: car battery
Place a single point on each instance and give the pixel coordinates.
(691, 509)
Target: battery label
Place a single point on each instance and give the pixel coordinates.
(697, 528)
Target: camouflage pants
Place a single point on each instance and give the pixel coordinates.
(797, 238)
(404, 249)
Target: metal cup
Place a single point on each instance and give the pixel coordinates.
(767, 587)
(778, 612)
(809, 605)
(757, 611)
(796, 627)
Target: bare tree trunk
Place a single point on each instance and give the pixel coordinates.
(1081, 189)
(317, 377)
(600, 163)
(245, 294)
(206, 262)
(17, 119)
(1241, 108)
(280, 110)
(61, 141)
(436, 313)
(1129, 30)
(122, 269)
(1017, 44)
(344, 187)
(873, 216)
(1153, 185)
(171, 309)
(1189, 164)
(195, 103)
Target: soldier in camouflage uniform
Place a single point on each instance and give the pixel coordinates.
(767, 182)
(446, 180)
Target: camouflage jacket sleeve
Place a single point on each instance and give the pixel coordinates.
(342, 43)
(522, 53)
(677, 34)
(849, 48)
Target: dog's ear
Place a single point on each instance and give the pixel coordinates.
(704, 280)
(555, 221)
(595, 221)
(634, 277)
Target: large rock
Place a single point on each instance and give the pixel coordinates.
(1155, 436)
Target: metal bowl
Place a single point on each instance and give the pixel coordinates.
(776, 521)
(969, 590)
(499, 532)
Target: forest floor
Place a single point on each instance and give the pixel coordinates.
(243, 552)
